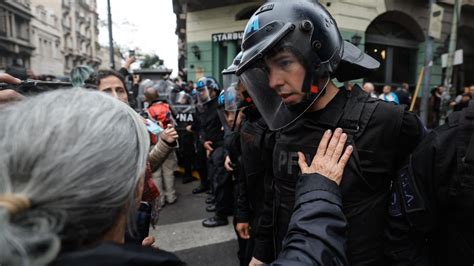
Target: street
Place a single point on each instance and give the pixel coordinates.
(180, 231)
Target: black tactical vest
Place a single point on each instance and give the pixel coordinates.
(373, 127)
(252, 140)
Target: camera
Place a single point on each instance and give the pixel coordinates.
(32, 87)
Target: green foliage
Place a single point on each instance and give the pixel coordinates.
(151, 61)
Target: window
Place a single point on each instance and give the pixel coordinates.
(21, 26)
(3, 22)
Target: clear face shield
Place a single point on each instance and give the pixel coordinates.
(147, 83)
(226, 117)
(285, 82)
(182, 98)
(203, 95)
(232, 96)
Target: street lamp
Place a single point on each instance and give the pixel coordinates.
(196, 51)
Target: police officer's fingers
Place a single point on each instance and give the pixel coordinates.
(339, 148)
(333, 142)
(323, 144)
(302, 163)
(228, 167)
(345, 157)
(245, 232)
(255, 262)
(148, 241)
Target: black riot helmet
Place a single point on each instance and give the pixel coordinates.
(235, 96)
(305, 29)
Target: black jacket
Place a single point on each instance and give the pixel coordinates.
(118, 255)
(208, 125)
(317, 229)
(382, 135)
(249, 185)
(432, 207)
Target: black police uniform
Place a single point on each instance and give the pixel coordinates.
(211, 130)
(382, 135)
(249, 173)
(321, 241)
(432, 207)
(285, 36)
(186, 152)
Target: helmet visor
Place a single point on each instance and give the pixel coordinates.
(227, 119)
(233, 99)
(284, 77)
(203, 95)
(275, 94)
(180, 98)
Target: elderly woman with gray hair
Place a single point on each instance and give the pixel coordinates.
(71, 177)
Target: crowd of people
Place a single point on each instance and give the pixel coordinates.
(440, 101)
(312, 173)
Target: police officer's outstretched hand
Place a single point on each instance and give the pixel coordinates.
(328, 160)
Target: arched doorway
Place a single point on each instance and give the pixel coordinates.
(393, 39)
(466, 43)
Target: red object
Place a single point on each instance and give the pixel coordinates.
(153, 138)
(150, 190)
(314, 89)
(160, 112)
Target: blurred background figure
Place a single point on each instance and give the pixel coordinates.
(389, 96)
(403, 94)
(369, 88)
(156, 96)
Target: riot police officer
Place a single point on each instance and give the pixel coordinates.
(432, 206)
(247, 146)
(211, 135)
(291, 52)
(183, 104)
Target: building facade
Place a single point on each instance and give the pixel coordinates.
(392, 31)
(48, 56)
(80, 33)
(104, 56)
(15, 32)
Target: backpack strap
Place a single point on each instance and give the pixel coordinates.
(467, 125)
(357, 111)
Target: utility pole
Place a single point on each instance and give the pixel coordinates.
(111, 39)
(452, 48)
(427, 75)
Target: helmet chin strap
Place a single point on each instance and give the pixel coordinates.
(310, 86)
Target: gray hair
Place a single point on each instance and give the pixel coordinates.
(78, 156)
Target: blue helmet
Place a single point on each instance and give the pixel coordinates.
(209, 83)
(225, 98)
